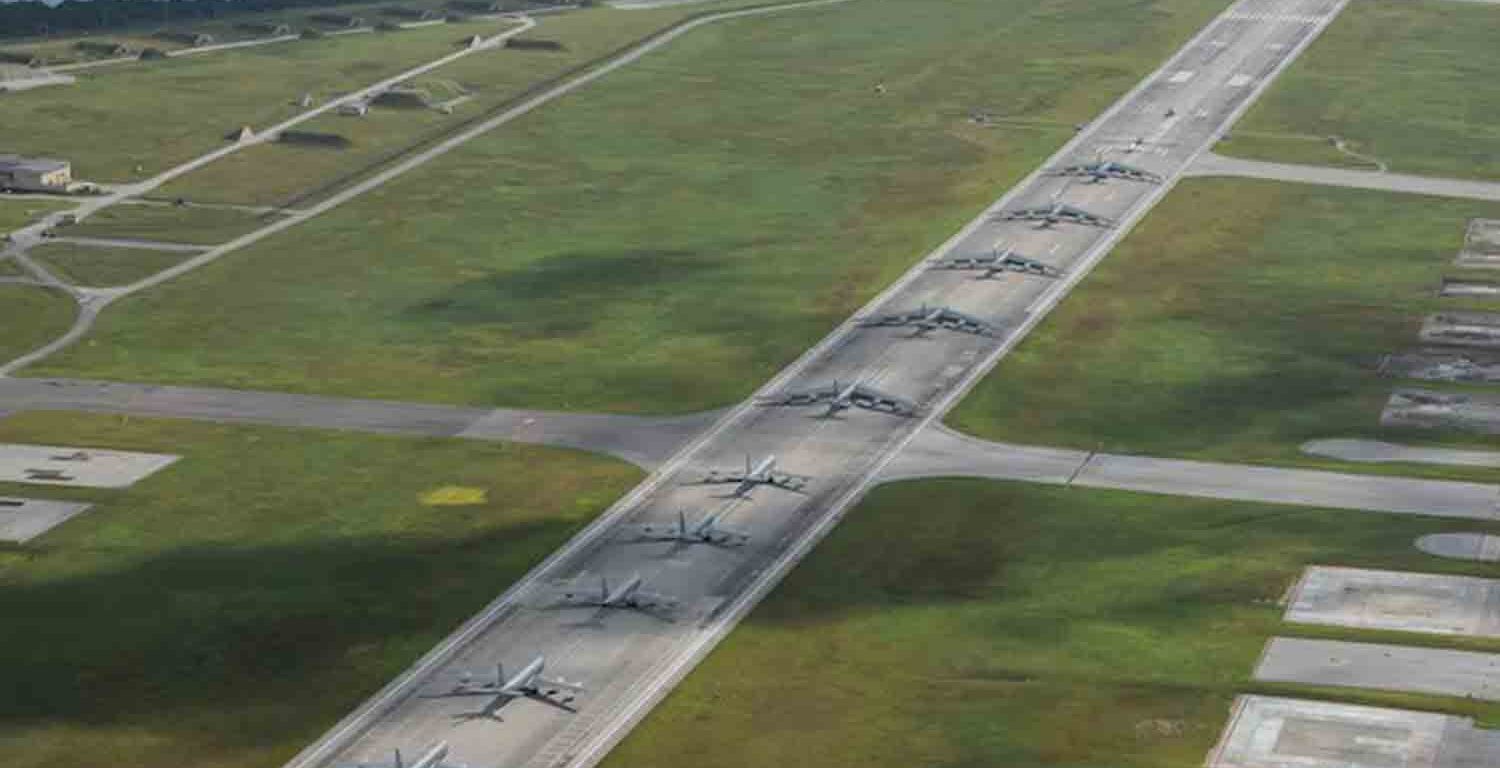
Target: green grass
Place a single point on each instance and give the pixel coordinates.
(1399, 80)
(31, 317)
(271, 174)
(153, 115)
(1240, 319)
(667, 238)
(169, 223)
(1015, 625)
(235, 605)
(15, 214)
(101, 267)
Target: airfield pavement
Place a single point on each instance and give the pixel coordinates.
(1211, 164)
(1378, 666)
(1391, 600)
(629, 662)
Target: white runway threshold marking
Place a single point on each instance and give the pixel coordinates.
(1240, 81)
(1181, 76)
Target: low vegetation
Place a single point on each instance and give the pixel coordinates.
(160, 113)
(17, 213)
(92, 266)
(1240, 319)
(672, 265)
(31, 316)
(1016, 625)
(170, 223)
(1397, 80)
(235, 605)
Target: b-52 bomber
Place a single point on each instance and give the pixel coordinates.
(705, 531)
(999, 262)
(928, 319)
(1056, 212)
(763, 473)
(1102, 170)
(627, 596)
(529, 683)
(432, 758)
(840, 397)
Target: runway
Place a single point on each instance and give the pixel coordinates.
(628, 662)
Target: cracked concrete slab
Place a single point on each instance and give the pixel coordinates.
(1462, 329)
(1481, 245)
(1275, 732)
(642, 440)
(1429, 409)
(1438, 364)
(1381, 667)
(1469, 289)
(1396, 600)
(78, 467)
(22, 520)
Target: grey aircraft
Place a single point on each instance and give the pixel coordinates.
(432, 758)
(841, 397)
(529, 683)
(1056, 212)
(928, 319)
(627, 596)
(763, 473)
(705, 531)
(1000, 261)
(1104, 170)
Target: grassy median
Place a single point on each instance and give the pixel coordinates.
(1402, 81)
(1240, 319)
(236, 604)
(973, 623)
(668, 237)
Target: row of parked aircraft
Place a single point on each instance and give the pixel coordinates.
(532, 683)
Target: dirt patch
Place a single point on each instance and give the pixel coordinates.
(1426, 409)
(1435, 364)
(1462, 329)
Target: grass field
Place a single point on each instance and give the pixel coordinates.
(31, 317)
(1240, 319)
(169, 223)
(102, 267)
(1398, 80)
(271, 174)
(1015, 625)
(15, 214)
(235, 605)
(667, 238)
(153, 115)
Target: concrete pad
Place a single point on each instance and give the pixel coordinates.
(1481, 245)
(1376, 451)
(22, 520)
(1469, 289)
(1438, 364)
(1393, 600)
(1426, 409)
(1462, 329)
(1462, 546)
(1381, 667)
(1274, 732)
(80, 467)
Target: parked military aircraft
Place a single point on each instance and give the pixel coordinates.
(628, 595)
(841, 397)
(432, 758)
(999, 261)
(763, 473)
(1102, 170)
(928, 319)
(1056, 212)
(529, 683)
(1136, 144)
(705, 531)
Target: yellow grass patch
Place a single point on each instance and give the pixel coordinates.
(454, 496)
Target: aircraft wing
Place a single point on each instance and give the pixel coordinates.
(789, 482)
(654, 601)
(873, 399)
(954, 320)
(802, 397)
(896, 318)
(653, 531)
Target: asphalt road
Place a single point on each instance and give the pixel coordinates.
(642, 440)
(1217, 165)
(628, 661)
